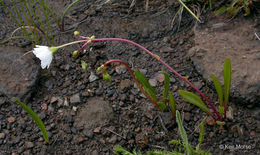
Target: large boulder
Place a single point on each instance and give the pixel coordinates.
(216, 41)
(18, 72)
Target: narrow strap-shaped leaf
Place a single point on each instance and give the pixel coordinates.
(166, 86)
(221, 110)
(194, 99)
(227, 80)
(183, 133)
(223, 9)
(202, 131)
(37, 120)
(172, 105)
(147, 87)
(218, 89)
(162, 106)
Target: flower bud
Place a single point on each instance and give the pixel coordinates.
(106, 77)
(75, 53)
(100, 68)
(76, 33)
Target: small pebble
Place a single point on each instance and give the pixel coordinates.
(252, 133)
(210, 121)
(29, 145)
(75, 98)
(153, 82)
(97, 130)
(74, 108)
(11, 119)
(44, 106)
(92, 77)
(2, 135)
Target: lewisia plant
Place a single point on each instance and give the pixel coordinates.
(45, 54)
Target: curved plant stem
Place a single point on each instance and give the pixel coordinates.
(28, 27)
(135, 80)
(164, 63)
(64, 13)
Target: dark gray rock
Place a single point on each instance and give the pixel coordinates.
(18, 73)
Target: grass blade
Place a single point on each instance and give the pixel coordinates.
(36, 35)
(194, 99)
(147, 87)
(37, 120)
(218, 89)
(189, 11)
(227, 80)
(166, 86)
(65, 11)
(18, 22)
(183, 133)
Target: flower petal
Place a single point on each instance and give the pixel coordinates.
(44, 54)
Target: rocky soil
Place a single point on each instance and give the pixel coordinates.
(84, 114)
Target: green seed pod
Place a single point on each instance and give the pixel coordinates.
(106, 77)
(75, 53)
(76, 33)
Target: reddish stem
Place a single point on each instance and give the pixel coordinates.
(81, 48)
(164, 63)
(135, 80)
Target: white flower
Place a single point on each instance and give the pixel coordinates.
(45, 54)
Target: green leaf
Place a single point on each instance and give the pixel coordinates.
(119, 149)
(147, 87)
(172, 105)
(218, 89)
(227, 80)
(166, 86)
(83, 65)
(202, 131)
(175, 142)
(183, 133)
(37, 120)
(159, 152)
(162, 106)
(210, 4)
(194, 99)
(221, 10)
(221, 110)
